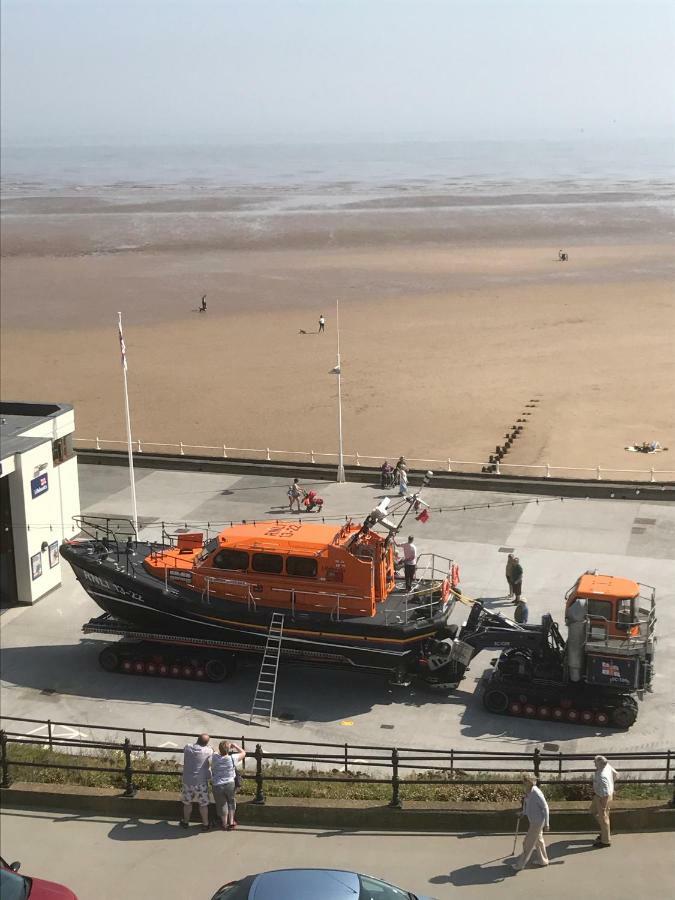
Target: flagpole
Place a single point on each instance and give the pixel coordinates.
(128, 418)
(341, 459)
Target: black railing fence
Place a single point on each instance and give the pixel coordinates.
(456, 767)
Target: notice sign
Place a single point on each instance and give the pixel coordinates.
(39, 485)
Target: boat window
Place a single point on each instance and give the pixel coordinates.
(302, 566)
(600, 609)
(271, 563)
(236, 560)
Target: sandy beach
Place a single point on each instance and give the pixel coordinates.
(452, 320)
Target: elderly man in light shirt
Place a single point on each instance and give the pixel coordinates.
(535, 808)
(603, 793)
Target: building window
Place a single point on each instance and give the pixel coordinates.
(271, 563)
(62, 449)
(302, 566)
(234, 560)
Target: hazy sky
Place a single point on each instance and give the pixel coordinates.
(77, 71)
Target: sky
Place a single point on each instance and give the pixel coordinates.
(76, 72)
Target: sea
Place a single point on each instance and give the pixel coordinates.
(291, 175)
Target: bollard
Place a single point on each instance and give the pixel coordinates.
(4, 764)
(130, 787)
(259, 795)
(537, 761)
(395, 781)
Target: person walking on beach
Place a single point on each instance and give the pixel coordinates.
(196, 758)
(224, 777)
(295, 495)
(535, 808)
(517, 579)
(509, 574)
(322, 323)
(202, 308)
(603, 794)
(409, 561)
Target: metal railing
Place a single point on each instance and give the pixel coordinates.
(458, 767)
(447, 464)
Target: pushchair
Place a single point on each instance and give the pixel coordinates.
(312, 502)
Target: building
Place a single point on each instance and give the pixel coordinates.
(39, 495)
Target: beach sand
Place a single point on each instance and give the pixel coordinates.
(447, 331)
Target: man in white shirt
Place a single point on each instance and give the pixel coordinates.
(196, 758)
(603, 793)
(409, 561)
(535, 808)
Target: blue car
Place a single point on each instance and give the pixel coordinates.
(311, 884)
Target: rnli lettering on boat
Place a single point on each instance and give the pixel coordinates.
(109, 586)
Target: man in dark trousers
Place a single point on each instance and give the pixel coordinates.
(322, 323)
(517, 579)
(409, 561)
(203, 306)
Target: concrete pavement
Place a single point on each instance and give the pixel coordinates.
(50, 671)
(103, 858)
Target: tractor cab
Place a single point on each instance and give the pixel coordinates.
(617, 609)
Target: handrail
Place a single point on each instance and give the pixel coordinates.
(448, 464)
(453, 765)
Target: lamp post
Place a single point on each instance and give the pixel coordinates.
(336, 371)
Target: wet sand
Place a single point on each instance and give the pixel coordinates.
(450, 324)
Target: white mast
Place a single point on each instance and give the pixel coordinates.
(128, 417)
(341, 459)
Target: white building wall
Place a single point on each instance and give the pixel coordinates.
(52, 428)
(46, 518)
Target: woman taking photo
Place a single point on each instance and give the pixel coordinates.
(225, 777)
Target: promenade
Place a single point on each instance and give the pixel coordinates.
(50, 670)
(105, 858)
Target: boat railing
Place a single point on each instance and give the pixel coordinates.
(210, 580)
(335, 611)
(110, 530)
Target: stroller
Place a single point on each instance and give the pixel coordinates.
(313, 502)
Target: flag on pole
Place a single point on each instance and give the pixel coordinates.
(123, 348)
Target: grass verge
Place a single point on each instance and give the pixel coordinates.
(164, 775)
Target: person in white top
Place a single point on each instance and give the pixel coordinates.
(603, 793)
(223, 775)
(196, 759)
(535, 808)
(409, 561)
(322, 324)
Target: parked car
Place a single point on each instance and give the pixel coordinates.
(20, 887)
(309, 884)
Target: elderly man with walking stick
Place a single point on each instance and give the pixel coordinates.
(603, 794)
(535, 808)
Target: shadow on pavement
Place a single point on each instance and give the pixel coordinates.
(135, 830)
(476, 873)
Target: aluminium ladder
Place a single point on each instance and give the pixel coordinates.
(263, 702)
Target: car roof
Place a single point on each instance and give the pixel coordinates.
(305, 884)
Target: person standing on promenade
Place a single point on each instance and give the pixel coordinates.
(401, 466)
(409, 561)
(517, 579)
(509, 574)
(295, 494)
(196, 759)
(603, 794)
(322, 323)
(223, 776)
(403, 482)
(535, 808)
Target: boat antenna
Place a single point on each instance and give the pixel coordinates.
(412, 504)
